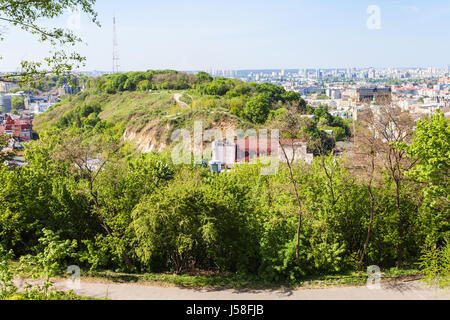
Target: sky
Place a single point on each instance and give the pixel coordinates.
(253, 34)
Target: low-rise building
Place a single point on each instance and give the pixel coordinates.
(444, 80)
(6, 86)
(67, 89)
(20, 128)
(367, 94)
(227, 154)
(5, 103)
(334, 93)
(31, 100)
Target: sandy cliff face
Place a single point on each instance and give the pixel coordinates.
(156, 137)
(152, 137)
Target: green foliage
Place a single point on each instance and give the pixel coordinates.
(217, 87)
(271, 91)
(143, 85)
(28, 16)
(144, 81)
(121, 186)
(435, 265)
(51, 252)
(17, 103)
(338, 132)
(431, 147)
(167, 226)
(4, 155)
(7, 287)
(138, 213)
(46, 263)
(257, 109)
(190, 225)
(204, 77)
(82, 116)
(241, 89)
(31, 265)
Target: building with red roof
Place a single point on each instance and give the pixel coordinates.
(20, 128)
(250, 149)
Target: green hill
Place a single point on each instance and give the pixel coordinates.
(146, 107)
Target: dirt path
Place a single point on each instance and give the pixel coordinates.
(177, 97)
(390, 291)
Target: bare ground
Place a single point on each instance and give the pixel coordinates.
(392, 290)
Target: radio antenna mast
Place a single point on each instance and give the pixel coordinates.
(115, 68)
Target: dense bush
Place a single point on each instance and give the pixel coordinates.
(124, 211)
(139, 214)
(257, 109)
(144, 81)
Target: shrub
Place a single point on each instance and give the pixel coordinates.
(435, 265)
(257, 109)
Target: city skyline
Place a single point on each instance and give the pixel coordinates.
(254, 36)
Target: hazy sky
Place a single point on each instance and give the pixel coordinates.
(254, 34)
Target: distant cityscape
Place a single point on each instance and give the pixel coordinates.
(349, 90)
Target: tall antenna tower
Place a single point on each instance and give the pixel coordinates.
(115, 68)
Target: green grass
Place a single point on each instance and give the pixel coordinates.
(156, 110)
(117, 108)
(238, 281)
(60, 296)
(223, 281)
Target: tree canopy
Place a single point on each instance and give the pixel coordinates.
(30, 16)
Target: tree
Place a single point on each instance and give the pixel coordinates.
(200, 221)
(393, 126)
(203, 77)
(292, 96)
(290, 125)
(17, 103)
(237, 106)
(273, 92)
(144, 85)
(7, 287)
(87, 157)
(431, 148)
(338, 133)
(3, 154)
(366, 163)
(28, 16)
(321, 112)
(257, 109)
(46, 264)
(120, 187)
(168, 224)
(218, 87)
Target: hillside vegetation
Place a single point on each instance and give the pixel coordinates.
(143, 107)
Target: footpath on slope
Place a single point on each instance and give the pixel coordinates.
(177, 97)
